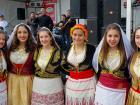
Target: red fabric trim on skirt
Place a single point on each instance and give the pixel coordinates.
(111, 81)
(82, 74)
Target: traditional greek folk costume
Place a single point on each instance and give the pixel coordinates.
(20, 77)
(112, 86)
(3, 76)
(21, 71)
(134, 92)
(112, 83)
(47, 84)
(80, 85)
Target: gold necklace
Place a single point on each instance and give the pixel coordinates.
(21, 53)
(113, 53)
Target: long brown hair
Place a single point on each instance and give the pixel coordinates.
(53, 42)
(30, 43)
(5, 44)
(105, 46)
(133, 39)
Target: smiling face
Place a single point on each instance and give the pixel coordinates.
(78, 37)
(113, 38)
(137, 38)
(2, 40)
(45, 38)
(22, 34)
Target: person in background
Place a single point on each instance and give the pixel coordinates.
(71, 21)
(3, 69)
(44, 20)
(47, 83)
(3, 23)
(38, 14)
(58, 32)
(33, 23)
(110, 62)
(66, 29)
(134, 67)
(62, 21)
(21, 46)
(77, 64)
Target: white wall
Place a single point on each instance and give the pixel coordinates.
(136, 17)
(3, 8)
(58, 11)
(65, 4)
(135, 14)
(9, 8)
(123, 10)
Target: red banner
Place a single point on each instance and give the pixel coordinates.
(50, 10)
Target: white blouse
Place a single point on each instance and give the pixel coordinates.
(113, 61)
(19, 56)
(43, 59)
(74, 58)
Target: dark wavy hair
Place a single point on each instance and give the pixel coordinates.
(30, 44)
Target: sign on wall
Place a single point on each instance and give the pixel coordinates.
(50, 11)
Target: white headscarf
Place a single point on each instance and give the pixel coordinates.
(51, 36)
(127, 45)
(10, 40)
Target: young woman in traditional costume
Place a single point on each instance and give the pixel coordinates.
(47, 83)
(112, 56)
(21, 46)
(3, 69)
(134, 67)
(80, 85)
